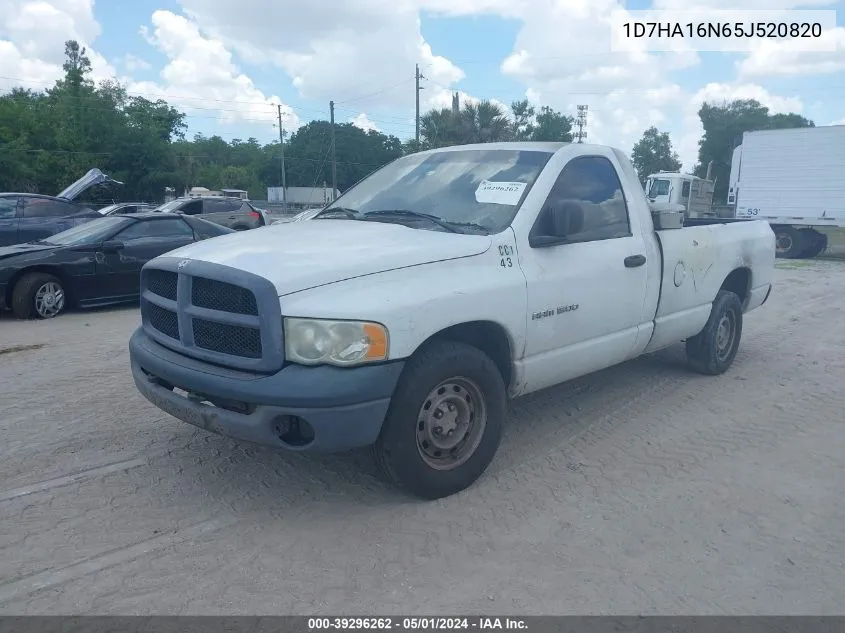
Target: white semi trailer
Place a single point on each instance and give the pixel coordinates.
(795, 180)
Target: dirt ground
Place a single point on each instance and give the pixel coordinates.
(639, 489)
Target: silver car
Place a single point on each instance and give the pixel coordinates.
(234, 213)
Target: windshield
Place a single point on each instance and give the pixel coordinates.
(90, 232)
(659, 188)
(482, 187)
(170, 206)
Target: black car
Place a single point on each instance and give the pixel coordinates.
(97, 263)
(32, 216)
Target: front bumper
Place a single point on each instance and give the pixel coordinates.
(334, 409)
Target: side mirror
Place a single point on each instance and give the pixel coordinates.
(558, 224)
(111, 246)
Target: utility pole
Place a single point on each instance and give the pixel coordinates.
(418, 75)
(334, 156)
(582, 123)
(282, 146)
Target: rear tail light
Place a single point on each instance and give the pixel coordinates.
(257, 216)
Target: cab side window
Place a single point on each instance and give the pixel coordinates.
(590, 191)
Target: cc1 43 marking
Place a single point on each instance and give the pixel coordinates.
(505, 253)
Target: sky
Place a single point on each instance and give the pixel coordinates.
(228, 64)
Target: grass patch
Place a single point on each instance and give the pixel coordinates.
(794, 263)
(20, 348)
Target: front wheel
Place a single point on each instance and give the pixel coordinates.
(445, 421)
(712, 351)
(38, 295)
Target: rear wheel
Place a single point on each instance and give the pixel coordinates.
(712, 351)
(789, 242)
(816, 243)
(38, 295)
(445, 421)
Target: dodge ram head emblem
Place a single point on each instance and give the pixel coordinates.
(183, 263)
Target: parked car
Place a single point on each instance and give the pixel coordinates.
(127, 207)
(31, 216)
(406, 313)
(97, 263)
(237, 214)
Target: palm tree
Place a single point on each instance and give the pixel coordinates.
(482, 122)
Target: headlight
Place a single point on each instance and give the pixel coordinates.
(341, 343)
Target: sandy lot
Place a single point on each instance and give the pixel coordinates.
(640, 489)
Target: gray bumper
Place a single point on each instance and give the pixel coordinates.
(344, 408)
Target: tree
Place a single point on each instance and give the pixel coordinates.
(481, 122)
(551, 125)
(523, 120)
(653, 153)
(724, 126)
(358, 152)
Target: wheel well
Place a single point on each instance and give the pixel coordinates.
(738, 282)
(487, 336)
(36, 269)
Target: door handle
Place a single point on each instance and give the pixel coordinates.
(633, 261)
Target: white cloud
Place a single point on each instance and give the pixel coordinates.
(562, 56)
(132, 63)
(32, 37)
(201, 78)
(839, 122)
(363, 122)
(792, 57)
(343, 50)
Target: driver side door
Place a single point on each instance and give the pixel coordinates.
(586, 294)
(119, 269)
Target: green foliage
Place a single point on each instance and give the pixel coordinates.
(724, 126)
(50, 139)
(653, 153)
(487, 122)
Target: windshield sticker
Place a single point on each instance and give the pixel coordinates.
(492, 192)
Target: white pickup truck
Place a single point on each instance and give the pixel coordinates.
(407, 313)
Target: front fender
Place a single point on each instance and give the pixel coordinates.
(416, 303)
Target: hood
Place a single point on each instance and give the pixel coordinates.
(24, 249)
(93, 178)
(301, 255)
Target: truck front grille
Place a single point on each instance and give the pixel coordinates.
(164, 320)
(219, 295)
(213, 313)
(227, 339)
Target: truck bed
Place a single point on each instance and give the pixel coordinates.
(697, 259)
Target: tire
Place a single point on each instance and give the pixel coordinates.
(445, 378)
(789, 242)
(38, 295)
(816, 243)
(712, 351)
